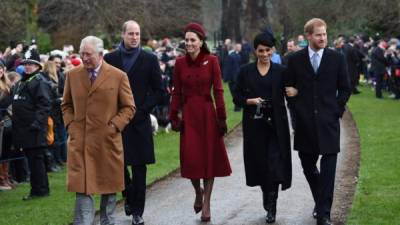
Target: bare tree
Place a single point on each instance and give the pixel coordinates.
(12, 21)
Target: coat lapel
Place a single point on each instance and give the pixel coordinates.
(307, 62)
(118, 60)
(275, 81)
(84, 77)
(138, 62)
(101, 77)
(323, 63)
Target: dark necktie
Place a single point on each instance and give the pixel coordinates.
(92, 76)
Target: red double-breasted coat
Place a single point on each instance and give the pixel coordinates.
(202, 149)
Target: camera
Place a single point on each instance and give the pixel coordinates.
(264, 111)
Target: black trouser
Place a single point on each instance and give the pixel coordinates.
(397, 85)
(321, 182)
(378, 85)
(38, 178)
(135, 188)
(354, 81)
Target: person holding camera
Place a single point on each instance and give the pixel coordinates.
(266, 138)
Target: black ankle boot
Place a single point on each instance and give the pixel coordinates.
(270, 206)
(271, 215)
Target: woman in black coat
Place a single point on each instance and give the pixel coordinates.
(266, 139)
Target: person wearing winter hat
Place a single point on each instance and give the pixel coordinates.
(76, 62)
(201, 125)
(20, 70)
(32, 57)
(31, 108)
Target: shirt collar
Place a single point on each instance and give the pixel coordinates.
(97, 69)
(311, 52)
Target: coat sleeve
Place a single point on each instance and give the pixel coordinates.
(289, 79)
(176, 95)
(154, 96)
(67, 105)
(41, 91)
(126, 104)
(343, 85)
(239, 97)
(218, 90)
(289, 74)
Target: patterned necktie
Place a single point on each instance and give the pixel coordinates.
(314, 61)
(92, 76)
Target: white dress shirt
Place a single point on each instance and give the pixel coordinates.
(319, 52)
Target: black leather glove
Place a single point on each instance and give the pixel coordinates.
(223, 128)
(177, 125)
(34, 126)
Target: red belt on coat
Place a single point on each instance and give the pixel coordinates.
(206, 97)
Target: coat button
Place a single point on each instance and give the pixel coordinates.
(315, 111)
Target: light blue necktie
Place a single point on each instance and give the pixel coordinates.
(314, 61)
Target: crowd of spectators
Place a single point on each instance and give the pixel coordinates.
(369, 61)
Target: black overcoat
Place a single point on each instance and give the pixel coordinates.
(254, 146)
(378, 61)
(145, 81)
(320, 101)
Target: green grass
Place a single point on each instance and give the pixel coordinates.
(377, 199)
(58, 208)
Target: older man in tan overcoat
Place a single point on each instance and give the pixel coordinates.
(97, 104)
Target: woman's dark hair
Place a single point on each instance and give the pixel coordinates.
(204, 48)
(2, 63)
(266, 38)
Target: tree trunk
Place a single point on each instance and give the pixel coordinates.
(225, 18)
(285, 20)
(236, 10)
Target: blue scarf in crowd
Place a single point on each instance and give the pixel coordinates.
(129, 56)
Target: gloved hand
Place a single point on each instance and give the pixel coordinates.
(34, 126)
(223, 128)
(177, 125)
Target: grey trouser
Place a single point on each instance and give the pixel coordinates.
(85, 209)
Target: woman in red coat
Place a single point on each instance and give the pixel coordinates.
(192, 112)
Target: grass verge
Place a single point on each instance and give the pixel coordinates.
(377, 198)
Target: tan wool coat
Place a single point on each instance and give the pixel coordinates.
(95, 153)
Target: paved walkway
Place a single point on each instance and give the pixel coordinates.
(170, 202)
